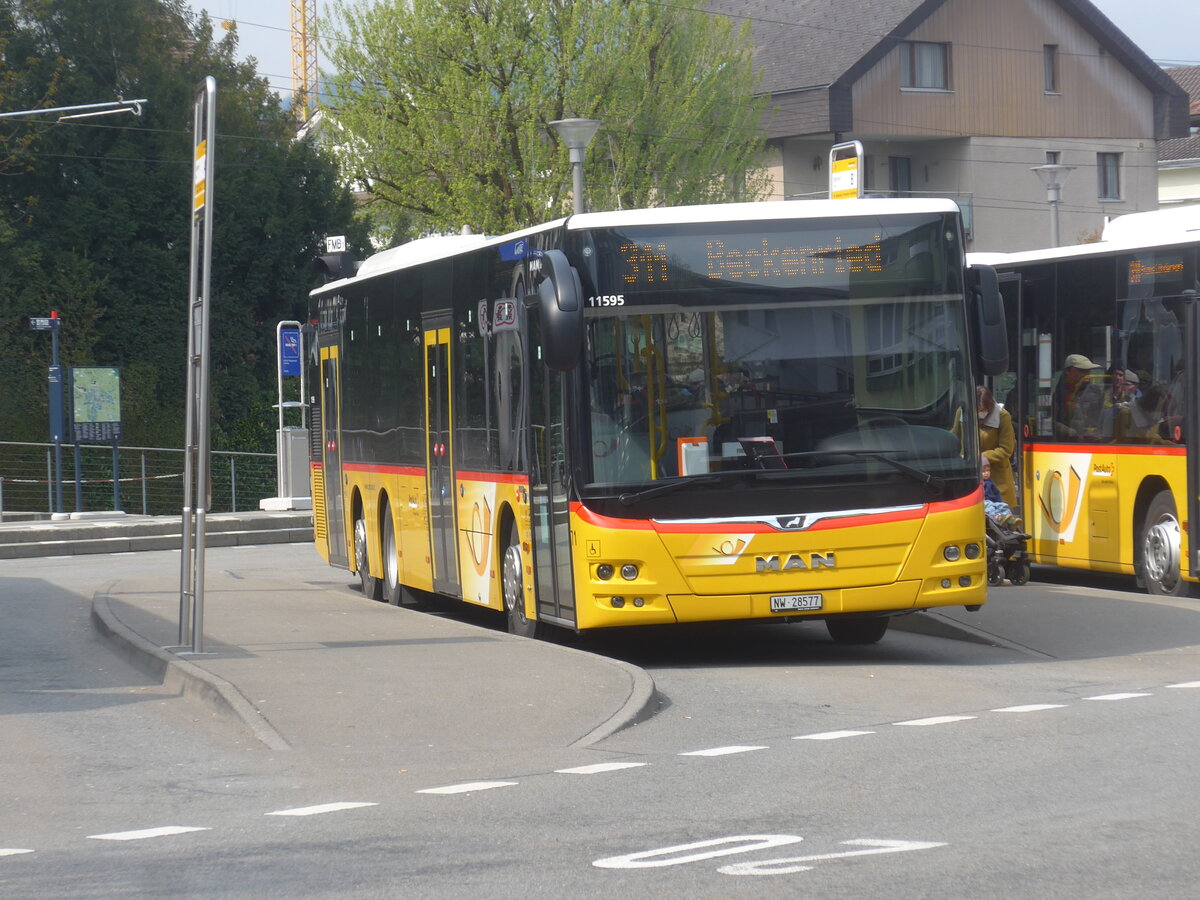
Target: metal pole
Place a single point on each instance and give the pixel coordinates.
(50, 481)
(232, 483)
(577, 179)
(116, 466)
(145, 505)
(203, 476)
(57, 427)
(78, 481)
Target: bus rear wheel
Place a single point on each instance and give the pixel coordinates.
(858, 629)
(394, 592)
(1160, 548)
(512, 579)
(371, 587)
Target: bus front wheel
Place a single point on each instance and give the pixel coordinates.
(371, 587)
(858, 629)
(1160, 548)
(512, 578)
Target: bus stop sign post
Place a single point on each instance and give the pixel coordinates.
(196, 487)
(52, 324)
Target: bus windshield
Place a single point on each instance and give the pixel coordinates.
(810, 375)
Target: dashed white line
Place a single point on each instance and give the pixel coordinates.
(829, 735)
(597, 768)
(12, 851)
(145, 833)
(1030, 707)
(467, 787)
(722, 751)
(935, 720)
(318, 810)
(1185, 684)
(1128, 696)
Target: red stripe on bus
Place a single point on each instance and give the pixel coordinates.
(1117, 449)
(493, 477)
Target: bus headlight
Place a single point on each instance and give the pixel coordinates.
(604, 571)
(973, 551)
(629, 571)
(952, 553)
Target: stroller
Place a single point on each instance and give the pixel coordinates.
(1006, 553)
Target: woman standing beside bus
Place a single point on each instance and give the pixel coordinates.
(996, 441)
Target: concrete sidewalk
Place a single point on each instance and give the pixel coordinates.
(312, 665)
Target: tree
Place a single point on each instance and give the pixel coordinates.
(446, 104)
(94, 216)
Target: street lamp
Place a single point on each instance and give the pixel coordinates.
(576, 134)
(1053, 176)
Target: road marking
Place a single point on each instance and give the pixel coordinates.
(145, 833)
(1129, 696)
(1030, 707)
(1185, 684)
(12, 851)
(829, 735)
(935, 720)
(597, 768)
(467, 787)
(722, 751)
(317, 810)
(654, 859)
(789, 866)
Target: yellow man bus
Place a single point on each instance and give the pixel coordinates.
(744, 411)
(1101, 390)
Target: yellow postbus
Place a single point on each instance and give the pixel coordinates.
(743, 411)
(1101, 389)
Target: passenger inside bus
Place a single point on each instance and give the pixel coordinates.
(1078, 401)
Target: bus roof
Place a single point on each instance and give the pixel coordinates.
(440, 247)
(770, 209)
(1133, 231)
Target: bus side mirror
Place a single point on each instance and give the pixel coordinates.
(991, 335)
(560, 298)
(335, 266)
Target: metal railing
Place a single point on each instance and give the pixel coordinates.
(149, 479)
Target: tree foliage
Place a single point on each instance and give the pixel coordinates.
(446, 105)
(95, 215)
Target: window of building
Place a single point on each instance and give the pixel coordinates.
(925, 66)
(1050, 67)
(1108, 176)
(1053, 157)
(899, 175)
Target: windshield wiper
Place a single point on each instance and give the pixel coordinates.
(928, 478)
(668, 487)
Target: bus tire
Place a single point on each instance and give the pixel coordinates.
(1160, 549)
(371, 587)
(858, 629)
(512, 580)
(393, 591)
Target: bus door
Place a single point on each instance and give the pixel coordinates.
(1011, 388)
(439, 454)
(331, 463)
(549, 482)
(1191, 430)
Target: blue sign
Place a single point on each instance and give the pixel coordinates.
(289, 351)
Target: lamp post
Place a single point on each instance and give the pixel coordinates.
(1053, 176)
(576, 134)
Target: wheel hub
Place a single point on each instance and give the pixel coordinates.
(1162, 552)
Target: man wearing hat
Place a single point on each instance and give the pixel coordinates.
(1078, 402)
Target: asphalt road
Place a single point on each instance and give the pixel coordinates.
(1058, 762)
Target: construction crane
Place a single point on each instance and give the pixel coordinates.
(304, 59)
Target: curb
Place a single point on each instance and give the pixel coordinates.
(190, 680)
(641, 703)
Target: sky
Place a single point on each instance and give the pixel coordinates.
(1168, 31)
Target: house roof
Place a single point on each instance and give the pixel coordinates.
(807, 47)
(1187, 148)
